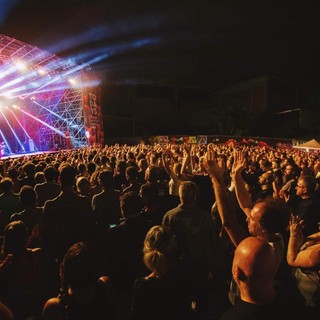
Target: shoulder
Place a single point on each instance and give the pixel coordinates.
(16, 216)
(172, 212)
(40, 185)
(50, 202)
(52, 309)
(5, 312)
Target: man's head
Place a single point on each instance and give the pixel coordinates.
(188, 192)
(106, 179)
(29, 168)
(268, 215)
(143, 164)
(50, 173)
(28, 196)
(131, 173)
(67, 175)
(153, 174)
(306, 186)
(6, 185)
(254, 263)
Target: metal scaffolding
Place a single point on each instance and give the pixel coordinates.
(50, 108)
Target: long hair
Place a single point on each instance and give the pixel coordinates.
(81, 266)
(159, 246)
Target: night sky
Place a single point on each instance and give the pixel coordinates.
(199, 44)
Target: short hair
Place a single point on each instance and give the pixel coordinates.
(132, 172)
(6, 184)
(309, 182)
(83, 185)
(143, 163)
(28, 196)
(153, 173)
(276, 215)
(81, 167)
(104, 159)
(50, 173)
(266, 163)
(121, 165)
(159, 244)
(67, 175)
(106, 179)
(29, 168)
(91, 167)
(13, 173)
(39, 177)
(188, 191)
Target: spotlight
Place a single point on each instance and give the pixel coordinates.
(22, 66)
(42, 72)
(72, 81)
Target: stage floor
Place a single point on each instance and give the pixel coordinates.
(18, 155)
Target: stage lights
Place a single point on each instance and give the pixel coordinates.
(21, 65)
(50, 99)
(42, 71)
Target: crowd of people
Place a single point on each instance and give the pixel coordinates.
(176, 231)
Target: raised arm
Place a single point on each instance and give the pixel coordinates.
(186, 161)
(166, 162)
(225, 209)
(242, 194)
(307, 258)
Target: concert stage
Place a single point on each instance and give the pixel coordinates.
(46, 102)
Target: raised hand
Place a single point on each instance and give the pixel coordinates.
(239, 162)
(295, 225)
(214, 168)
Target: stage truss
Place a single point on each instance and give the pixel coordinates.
(40, 109)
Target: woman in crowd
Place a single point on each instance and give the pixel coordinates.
(85, 292)
(168, 292)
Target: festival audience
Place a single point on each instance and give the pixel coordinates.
(239, 213)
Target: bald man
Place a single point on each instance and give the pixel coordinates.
(253, 269)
